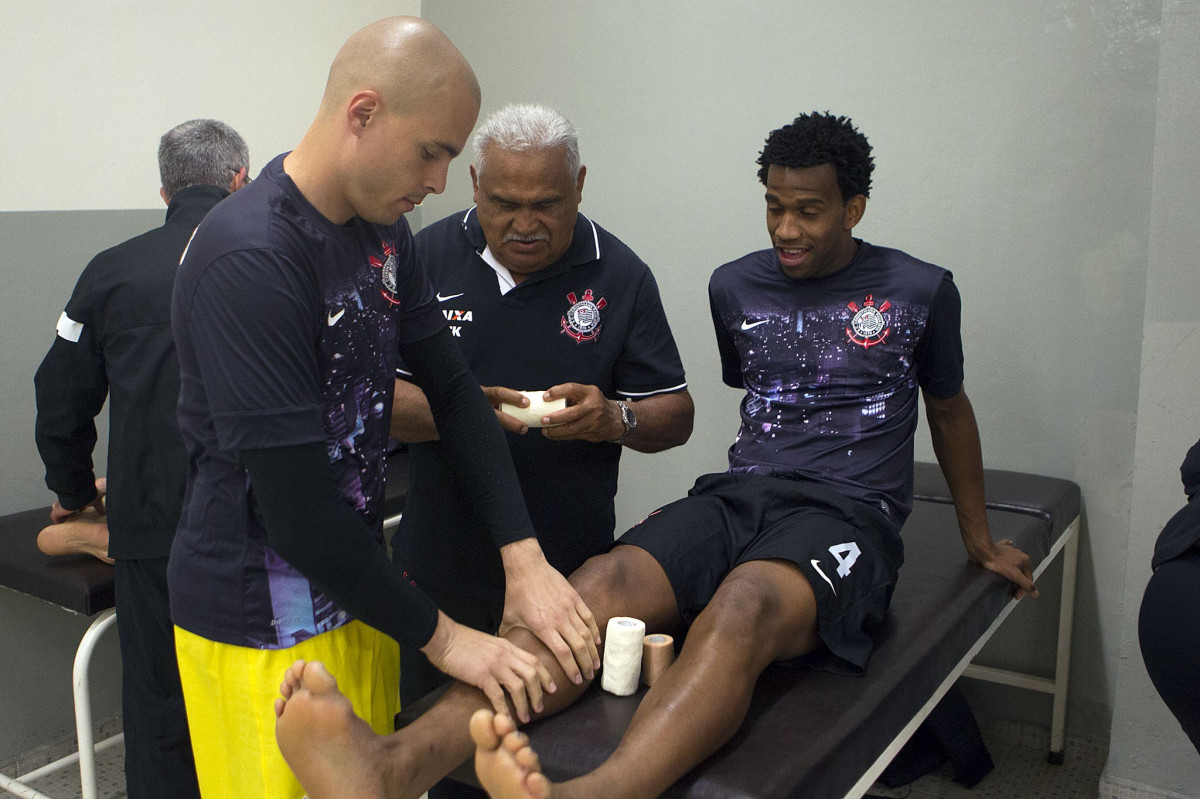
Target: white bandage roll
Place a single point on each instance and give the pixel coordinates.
(538, 408)
(622, 655)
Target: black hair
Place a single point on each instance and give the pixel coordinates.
(815, 139)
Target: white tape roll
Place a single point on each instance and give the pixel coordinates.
(538, 408)
(622, 655)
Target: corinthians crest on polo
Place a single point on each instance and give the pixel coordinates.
(388, 268)
(870, 324)
(582, 320)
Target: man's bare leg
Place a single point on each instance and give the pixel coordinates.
(626, 581)
(764, 611)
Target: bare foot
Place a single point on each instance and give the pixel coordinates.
(332, 751)
(84, 533)
(507, 766)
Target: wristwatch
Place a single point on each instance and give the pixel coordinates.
(628, 419)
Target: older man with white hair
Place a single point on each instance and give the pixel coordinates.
(543, 300)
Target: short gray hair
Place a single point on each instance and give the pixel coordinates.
(200, 152)
(518, 128)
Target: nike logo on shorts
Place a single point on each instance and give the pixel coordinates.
(747, 324)
(440, 298)
(334, 318)
(816, 564)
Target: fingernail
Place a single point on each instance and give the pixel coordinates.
(577, 679)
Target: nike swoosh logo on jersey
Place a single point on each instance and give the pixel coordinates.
(334, 318)
(440, 298)
(817, 565)
(747, 324)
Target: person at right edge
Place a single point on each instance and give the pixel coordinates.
(1169, 620)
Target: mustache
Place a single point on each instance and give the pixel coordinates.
(526, 239)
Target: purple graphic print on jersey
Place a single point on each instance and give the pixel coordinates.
(830, 370)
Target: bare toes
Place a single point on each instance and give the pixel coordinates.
(515, 741)
(318, 679)
(483, 730)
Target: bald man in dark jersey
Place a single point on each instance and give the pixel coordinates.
(290, 309)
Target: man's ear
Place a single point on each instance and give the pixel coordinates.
(474, 185)
(855, 208)
(162, 192)
(362, 110)
(239, 179)
(579, 183)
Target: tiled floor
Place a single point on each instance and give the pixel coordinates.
(1021, 772)
(1019, 754)
(64, 784)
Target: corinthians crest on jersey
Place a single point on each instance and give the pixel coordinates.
(870, 324)
(387, 266)
(582, 320)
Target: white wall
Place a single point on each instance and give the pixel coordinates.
(90, 86)
(1168, 413)
(1016, 145)
(88, 89)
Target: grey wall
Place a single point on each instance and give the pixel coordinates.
(40, 257)
(1020, 144)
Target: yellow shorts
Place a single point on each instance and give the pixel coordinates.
(230, 694)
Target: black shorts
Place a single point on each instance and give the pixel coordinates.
(848, 551)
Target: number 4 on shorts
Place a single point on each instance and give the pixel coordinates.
(845, 554)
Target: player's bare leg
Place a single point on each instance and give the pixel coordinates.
(764, 611)
(334, 754)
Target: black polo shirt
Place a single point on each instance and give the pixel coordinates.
(595, 317)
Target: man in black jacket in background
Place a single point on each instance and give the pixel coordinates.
(114, 338)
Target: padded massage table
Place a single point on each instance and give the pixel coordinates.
(83, 585)
(80, 584)
(817, 734)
